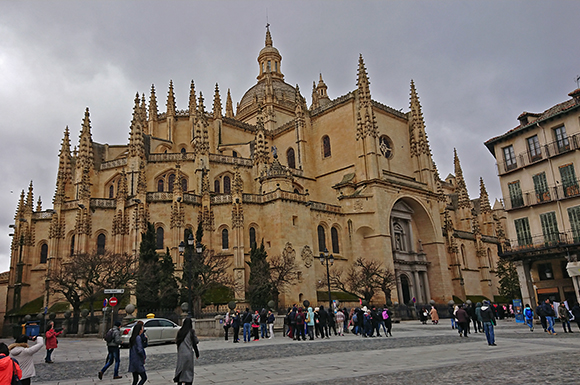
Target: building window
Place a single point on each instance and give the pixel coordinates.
(160, 185)
(550, 227)
(326, 146)
(234, 154)
(490, 260)
(159, 238)
(334, 240)
(321, 239)
(170, 182)
(252, 238)
(523, 232)
(386, 146)
(563, 265)
(72, 245)
(43, 253)
(545, 271)
(183, 151)
(534, 148)
(562, 141)
(275, 66)
(516, 197)
(464, 257)
(290, 158)
(101, 239)
(509, 158)
(183, 184)
(569, 182)
(225, 240)
(216, 186)
(111, 191)
(574, 216)
(541, 187)
(227, 185)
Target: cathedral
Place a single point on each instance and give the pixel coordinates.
(348, 175)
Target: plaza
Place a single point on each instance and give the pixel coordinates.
(427, 354)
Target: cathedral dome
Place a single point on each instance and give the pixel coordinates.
(282, 91)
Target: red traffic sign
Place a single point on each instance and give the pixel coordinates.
(113, 301)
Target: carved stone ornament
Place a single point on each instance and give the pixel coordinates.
(358, 205)
(289, 251)
(307, 256)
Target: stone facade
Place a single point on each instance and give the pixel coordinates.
(536, 165)
(347, 174)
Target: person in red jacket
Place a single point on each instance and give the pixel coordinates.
(7, 366)
(51, 342)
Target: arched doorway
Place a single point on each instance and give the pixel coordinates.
(405, 289)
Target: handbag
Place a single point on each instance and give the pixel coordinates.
(15, 379)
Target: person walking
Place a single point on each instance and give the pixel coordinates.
(340, 322)
(434, 315)
(451, 311)
(478, 317)
(22, 353)
(462, 320)
(8, 366)
(310, 323)
(550, 314)
(529, 317)
(488, 321)
(540, 313)
(564, 316)
(137, 355)
(113, 339)
(271, 320)
(472, 316)
(236, 320)
(51, 341)
(227, 324)
(388, 321)
(186, 341)
(247, 322)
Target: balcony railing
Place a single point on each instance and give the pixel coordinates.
(548, 150)
(536, 242)
(551, 194)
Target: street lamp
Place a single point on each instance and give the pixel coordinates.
(324, 256)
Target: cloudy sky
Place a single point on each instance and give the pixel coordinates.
(476, 65)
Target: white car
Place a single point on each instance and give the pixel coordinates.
(158, 330)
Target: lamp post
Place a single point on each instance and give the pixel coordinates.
(324, 256)
(189, 255)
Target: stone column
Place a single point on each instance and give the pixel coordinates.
(418, 290)
(528, 295)
(426, 285)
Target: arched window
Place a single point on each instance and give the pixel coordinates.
(101, 239)
(321, 239)
(72, 245)
(290, 157)
(43, 253)
(186, 233)
(252, 238)
(463, 257)
(183, 184)
(111, 191)
(234, 154)
(170, 182)
(326, 146)
(405, 289)
(227, 185)
(225, 240)
(334, 240)
(160, 185)
(159, 238)
(216, 186)
(183, 151)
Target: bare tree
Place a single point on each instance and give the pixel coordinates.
(362, 279)
(283, 273)
(82, 277)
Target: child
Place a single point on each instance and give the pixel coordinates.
(529, 315)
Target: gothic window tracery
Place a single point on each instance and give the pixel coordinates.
(171, 181)
(111, 191)
(291, 158)
(227, 185)
(334, 240)
(183, 184)
(326, 152)
(216, 186)
(160, 185)
(321, 239)
(386, 146)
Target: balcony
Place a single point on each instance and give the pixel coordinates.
(551, 194)
(546, 151)
(541, 242)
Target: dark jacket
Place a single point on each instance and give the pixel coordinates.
(487, 314)
(323, 317)
(236, 321)
(576, 312)
(247, 317)
(137, 355)
(548, 310)
(462, 316)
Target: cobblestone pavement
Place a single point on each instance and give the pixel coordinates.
(416, 354)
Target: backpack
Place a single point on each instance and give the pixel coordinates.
(386, 314)
(109, 336)
(528, 312)
(354, 318)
